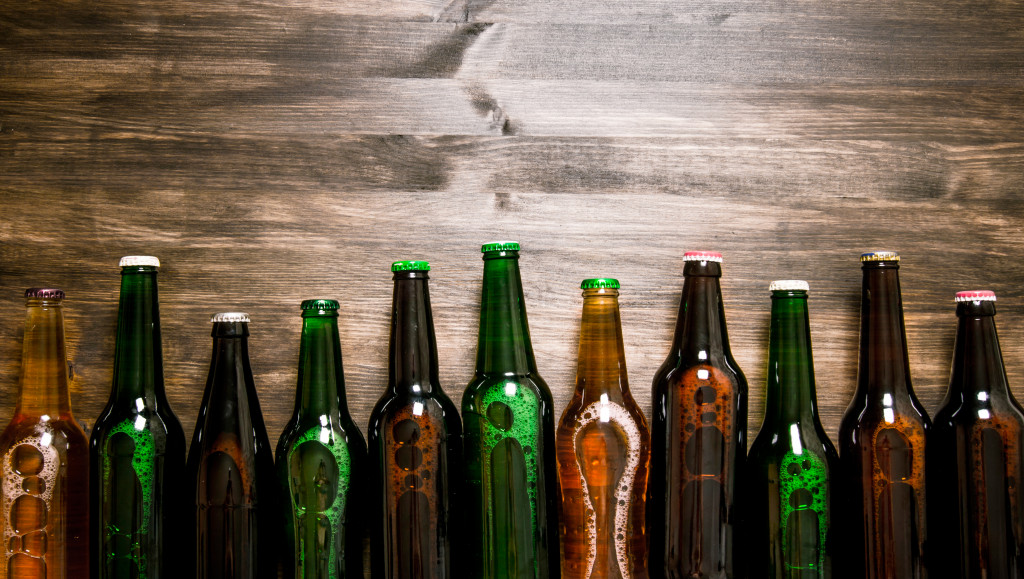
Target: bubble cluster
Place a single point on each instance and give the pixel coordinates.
(803, 486)
(610, 412)
(512, 411)
(331, 507)
(30, 470)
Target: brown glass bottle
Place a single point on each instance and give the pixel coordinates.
(44, 496)
(976, 476)
(415, 447)
(698, 437)
(602, 447)
(882, 441)
(231, 467)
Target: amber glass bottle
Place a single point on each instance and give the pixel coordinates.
(602, 446)
(976, 476)
(882, 441)
(231, 467)
(414, 442)
(44, 496)
(699, 437)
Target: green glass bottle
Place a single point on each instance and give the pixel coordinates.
(321, 460)
(790, 466)
(137, 447)
(509, 424)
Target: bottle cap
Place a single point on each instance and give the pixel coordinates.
(327, 305)
(42, 293)
(230, 317)
(976, 296)
(139, 260)
(879, 256)
(410, 266)
(703, 256)
(789, 285)
(600, 283)
(500, 246)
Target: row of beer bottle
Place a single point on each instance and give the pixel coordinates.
(484, 503)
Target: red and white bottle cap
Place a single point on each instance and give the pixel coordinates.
(976, 296)
(703, 256)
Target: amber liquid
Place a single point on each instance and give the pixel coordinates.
(603, 450)
(45, 460)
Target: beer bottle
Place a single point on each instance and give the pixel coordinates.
(603, 449)
(976, 476)
(699, 442)
(44, 494)
(414, 445)
(137, 447)
(321, 460)
(882, 440)
(510, 437)
(231, 467)
(791, 462)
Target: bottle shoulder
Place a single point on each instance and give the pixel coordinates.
(62, 433)
(485, 386)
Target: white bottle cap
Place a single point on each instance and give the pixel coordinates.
(137, 260)
(230, 317)
(790, 285)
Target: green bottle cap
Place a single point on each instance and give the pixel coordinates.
(600, 283)
(410, 266)
(500, 246)
(327, 305)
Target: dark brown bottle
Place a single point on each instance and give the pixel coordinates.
(231, 467)
(698, 437)
(882, 441)
(976, 481)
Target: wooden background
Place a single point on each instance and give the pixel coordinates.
(273, 151)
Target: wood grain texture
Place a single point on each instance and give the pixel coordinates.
(270, 152)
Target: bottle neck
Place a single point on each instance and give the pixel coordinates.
(138, 359)
(791, 395)
(44, 367)
(229, 369)
(412, 358)
(321, 389)
(601, 371)
(978, 373)
(503, 347)
(700, 335)
(884, 366)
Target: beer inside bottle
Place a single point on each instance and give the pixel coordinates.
(509, 426)
(415, 446)
(603, 450)
(791, 462)
(882, 440)
(231, 467)
(698, 443)
(976, 481)
(44, 495)
(321, 460)
(137, 446)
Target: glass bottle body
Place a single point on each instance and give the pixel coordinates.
(698, 442)
(44, 454)
(137, 450)
(321, 460)
(882, 441)
(975, 485)
(232, 470)
(603, 450)
(508, 418)
(415, 446)
(792, 463)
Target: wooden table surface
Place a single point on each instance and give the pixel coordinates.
(269, 152)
